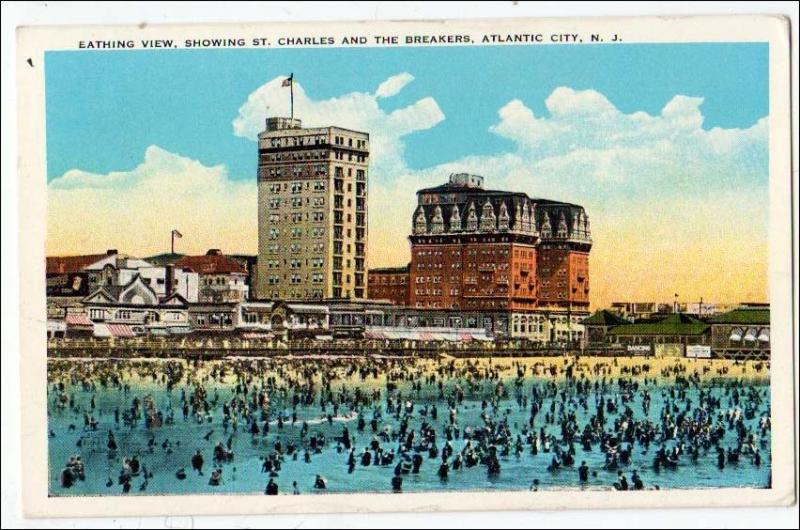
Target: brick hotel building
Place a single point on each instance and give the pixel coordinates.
(498, 259)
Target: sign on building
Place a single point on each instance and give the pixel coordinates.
(54, 326)
(639, 349)
(669, 350)
(75, 284)
(698, 351)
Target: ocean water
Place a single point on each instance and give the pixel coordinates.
(244, 475)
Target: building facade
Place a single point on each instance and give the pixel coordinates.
(312, 212)
(221, 279)
(597, 326)
(489, 251)
(743, 333)
(135, 309)
(389, 283)
(678, 329)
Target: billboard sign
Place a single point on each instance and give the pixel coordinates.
(639, 349)
(698, 351)
(72, 284)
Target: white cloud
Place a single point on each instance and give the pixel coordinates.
(393, 85)
(586, 143)
(135, 210)
(355, 110)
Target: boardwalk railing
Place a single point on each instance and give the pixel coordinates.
(218, 348)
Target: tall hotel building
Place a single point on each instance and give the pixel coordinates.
(312, 212)
(515, 265)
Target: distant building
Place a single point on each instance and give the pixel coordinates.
(312, 212)
(222, 279)
(743, 333)
(250, 264)
(71, 278)
(390, 283)
(67, 283)
(676, 329)
(162, 260)
(596, 326)
(635, 311)
(214, 316)
(518, 265)
(638, 311)
(134, 309)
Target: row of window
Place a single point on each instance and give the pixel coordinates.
(339, 155)
(297, 187)
(294, 141)
(340, 140)
(297, 278)
(469, 252)
(307, 293)
(220, 280)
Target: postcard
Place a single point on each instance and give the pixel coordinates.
(406, 266)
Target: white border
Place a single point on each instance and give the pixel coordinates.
(101, 14)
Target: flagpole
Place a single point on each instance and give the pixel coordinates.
(291, 96)
(172, 247)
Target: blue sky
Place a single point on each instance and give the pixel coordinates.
(104, 108)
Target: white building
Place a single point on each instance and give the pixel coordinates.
(118, 269)
(135, 309)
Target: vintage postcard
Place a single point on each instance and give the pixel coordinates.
(444, 265)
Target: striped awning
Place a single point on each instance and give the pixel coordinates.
(751, 335)
(251, 336)
(76, 319)
(120, 330)
(426, 335)
(764, 335)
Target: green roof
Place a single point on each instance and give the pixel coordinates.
(389, 270)
(677, 324)
(604, 318)
(164, 259)
(744, 316)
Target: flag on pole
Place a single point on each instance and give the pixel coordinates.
(289, 81)
(177, 234)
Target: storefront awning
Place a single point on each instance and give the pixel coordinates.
(751, 335)
(736, 335)
(77, 320)
(764, 335)
(427, 335)
(253, 336)
(113, 330)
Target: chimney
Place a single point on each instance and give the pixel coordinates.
(170, 279)
(111, 252)
(214, 252)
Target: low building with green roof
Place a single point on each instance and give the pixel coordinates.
(679, 330)
(598, 324)
(743, 333)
